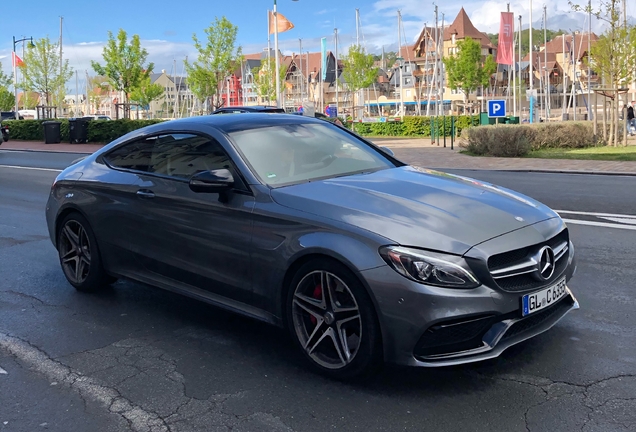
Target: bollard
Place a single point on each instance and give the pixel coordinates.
(437, 129)
(432, 133)
(444, 129)
(452, 131)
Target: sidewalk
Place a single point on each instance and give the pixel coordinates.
(417, 151)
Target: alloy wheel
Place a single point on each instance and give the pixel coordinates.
(75, 251)
(327, 319)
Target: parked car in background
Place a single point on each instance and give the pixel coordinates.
(97, 117)
(9, 115)
(248, 109)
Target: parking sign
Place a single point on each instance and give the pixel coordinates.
(496, 108)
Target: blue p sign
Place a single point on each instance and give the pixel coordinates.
(496, 108)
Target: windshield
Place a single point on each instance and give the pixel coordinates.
(297, 153)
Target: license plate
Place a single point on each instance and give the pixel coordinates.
(531, 303)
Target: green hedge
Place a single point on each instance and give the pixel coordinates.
(519, 140)
(99, 131)
(417, 126)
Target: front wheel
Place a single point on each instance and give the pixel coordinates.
(79, 255)
(333, 321)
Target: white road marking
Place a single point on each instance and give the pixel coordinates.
(599, 224)
(629, 221)
(596, 214)
(30, 168)
(109, 398)
(3, 372)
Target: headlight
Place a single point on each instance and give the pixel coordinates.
(448, 271)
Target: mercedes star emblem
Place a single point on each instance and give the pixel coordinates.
(546, 263)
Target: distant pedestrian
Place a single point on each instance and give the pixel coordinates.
(631, 122)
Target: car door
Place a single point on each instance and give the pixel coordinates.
(199, 239)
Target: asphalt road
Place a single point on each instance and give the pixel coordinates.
(138, 358)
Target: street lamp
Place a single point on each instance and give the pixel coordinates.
(276, 55)
(15, 77)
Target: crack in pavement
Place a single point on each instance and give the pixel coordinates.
(158, 411)
(547, 384)
(139, 419)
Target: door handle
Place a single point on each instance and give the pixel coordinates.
(145, 193)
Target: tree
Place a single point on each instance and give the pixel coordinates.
(390, 57)
(613, 58)
(218, 57)
(97, 87)
(42, 72)
(465, 70)
(146, 93)
(264, 79)
(359, 71)
(7, 99)
(124, 64)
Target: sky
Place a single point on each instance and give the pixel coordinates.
(166, 26)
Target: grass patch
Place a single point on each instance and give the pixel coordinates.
(590, 153)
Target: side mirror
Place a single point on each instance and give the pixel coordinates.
(213, 181)
(388, 151)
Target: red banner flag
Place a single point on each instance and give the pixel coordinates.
(17, 61)
(506, 32)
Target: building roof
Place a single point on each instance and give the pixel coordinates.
(555, 46)
(463, 27)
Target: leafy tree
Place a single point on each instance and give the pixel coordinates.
(218, 57)
(467, 70)
(390, 57)
(5, 80)
(359, 71)
(7, 99)
(41, 70)
(613, 58)
(124, 64)
(264, 79)
(97, 87)
(146, 93)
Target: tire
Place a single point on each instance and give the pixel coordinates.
(83, 270)
(341, 338)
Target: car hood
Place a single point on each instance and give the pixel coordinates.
(417, 207)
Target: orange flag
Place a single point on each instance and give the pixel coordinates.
(17, 61)
(283, 23)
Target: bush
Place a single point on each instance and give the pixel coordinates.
(99, 131)
(518, 140)
(564, 135)
(503, 141)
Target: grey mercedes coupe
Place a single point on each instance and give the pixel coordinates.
(303, 224)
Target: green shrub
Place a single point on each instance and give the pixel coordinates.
(99, 131)
(417, 126)
(502, 141)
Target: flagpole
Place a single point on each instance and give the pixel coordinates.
(15, 80)
(276, 56)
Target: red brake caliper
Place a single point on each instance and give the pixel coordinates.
(317, 294)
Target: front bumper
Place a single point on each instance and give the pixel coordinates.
(429, 326)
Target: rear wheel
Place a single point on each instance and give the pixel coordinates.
(79, 254)
(333, 321)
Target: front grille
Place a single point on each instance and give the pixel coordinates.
(452, 337)
(526, 281)
(539, 318)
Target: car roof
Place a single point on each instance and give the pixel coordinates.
(238, 122)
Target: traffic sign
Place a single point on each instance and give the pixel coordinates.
(496, 108)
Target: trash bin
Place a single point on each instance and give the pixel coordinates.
(52, 133)
(565, 116)
(78, 130)
(514, 119)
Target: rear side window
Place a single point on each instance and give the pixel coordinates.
(133, 156)
(178, 155)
